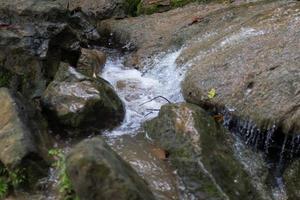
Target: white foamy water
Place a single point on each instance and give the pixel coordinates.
(138, 90)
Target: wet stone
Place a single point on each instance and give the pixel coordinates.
(78, 102)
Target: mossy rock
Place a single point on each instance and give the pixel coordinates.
(202, 152)
(5, 77)
(23, 141)
(76, 102)
(131, 7)
(97, 173)
(291, 177)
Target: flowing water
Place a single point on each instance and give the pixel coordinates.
(143, 93)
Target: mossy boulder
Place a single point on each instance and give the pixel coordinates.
(97, 172)
(254, 67)
(202, 152)
(77, 102)
(291, 178)
(24, 140)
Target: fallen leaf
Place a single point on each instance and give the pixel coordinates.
(212, 93)
(160, 153)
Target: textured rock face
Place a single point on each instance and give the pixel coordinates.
(149, 35)
(100, 9)
(153, 6)
(23, 138)
(291, 177)
(91, 62)
(31, 52)
(202, 153)
(248, 53)
(99, 173)
(80, 102)
(253, 66)
(160, 32)
(31, 57)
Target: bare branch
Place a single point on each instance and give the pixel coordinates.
(156, 98)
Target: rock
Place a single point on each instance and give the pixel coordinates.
(203, 153)
(35, 36)
(24, 140)
(291, 178)
(31, 57)
(153, 6)
(97, 172)
(20, 11)
(254, 66)
(91, 62)
(78, 102)
(147, 36)
(100, 9)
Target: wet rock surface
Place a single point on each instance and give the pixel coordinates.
(202, 152)
(248, 53)
(23, 137)
(97, 172)
(291, 176)
(80, 102)
(148, 35)
(254, 67)
(242, 61)
(153, 6)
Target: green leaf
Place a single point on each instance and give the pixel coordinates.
(212, 93)
(3, 188)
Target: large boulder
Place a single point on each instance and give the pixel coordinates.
(150, 35)
(253, 66)
(204, 155)
(97, 172)
(31, 54)
(24, 140)
(291, 177)
(78, 102)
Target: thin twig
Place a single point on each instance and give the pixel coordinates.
(156, 98)
(152, 109)
(149, 113)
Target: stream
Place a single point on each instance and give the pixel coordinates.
(143, 93)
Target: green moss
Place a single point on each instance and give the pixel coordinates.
(10, 180)
(179, 3)
(147, 10)
(5, 77)
(131, 7)
(65, 187)
(154, 8)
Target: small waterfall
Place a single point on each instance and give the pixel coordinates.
(143, 93)
(279, 149)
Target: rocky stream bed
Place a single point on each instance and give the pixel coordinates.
(144, 100)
